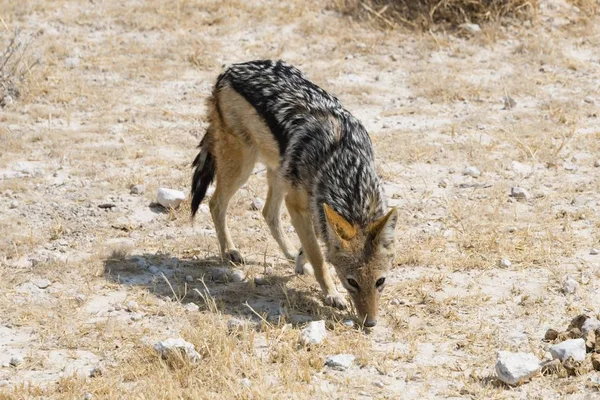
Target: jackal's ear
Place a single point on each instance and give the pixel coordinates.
(381, 232)
(342, 229)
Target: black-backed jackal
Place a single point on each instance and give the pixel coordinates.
(319, 161)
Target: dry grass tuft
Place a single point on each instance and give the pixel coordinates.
(428, 14)
(15, 65)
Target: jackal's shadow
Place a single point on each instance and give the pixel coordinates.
(193, 280)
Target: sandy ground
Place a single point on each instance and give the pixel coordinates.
(118, 100)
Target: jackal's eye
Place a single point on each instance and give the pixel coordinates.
(353, 283)
(380, 282)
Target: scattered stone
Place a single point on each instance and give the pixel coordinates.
(153, 269)
(204, 209)
(261, 280)
(597, 163)
(191, 307)
(509, 103)
(349, 323)
(138, 189)
(71, 62)
(505, 263)
(88, 396)
(340, 361)
(578, 321)
(95, 372)
(513, 368)
(189, 279)
(167, 347)
(13, 204)
(596, 361)
(379, 384)
(16, 361)
(574, 333)
(519, 193)
(574, 348)
(257, 204)
(471, 28)
(314, 333)
(472, 171)
(594, 252)
(551, 335)
(237, 275)
(589, 100)
(590, 324)
(246, 382)
(132, 306)
(169, 198)
(590, 341)
(570, 166)
(444, 183)
(41, 283)
(107, 206)
(570, 285)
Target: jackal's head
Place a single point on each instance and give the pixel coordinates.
(362, 258)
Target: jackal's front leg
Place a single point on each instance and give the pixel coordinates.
(310, 247)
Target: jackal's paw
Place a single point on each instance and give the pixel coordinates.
(336, 300)
(234, 256)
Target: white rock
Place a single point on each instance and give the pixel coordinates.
(519, 193)
(170, 345)
(88, 396)
(16, 361)
(574, 348)
(204, 209)
(314, 333)
(570, 166)
(589, 99)
(570, 285)
(590, 324)
(472, 171)
(505, 263)
(169, 198)
(261, 280)
(471, 28)
(597, 163)
(379, 384)
(594, 252)
(340, 361)
(444, 183)
(191, 307)
(132, 306)
(349, 323)
(246, 382)
(13, 204)
(71, 62)
(138, 189)
(41, 283)
(257, 204)
(513, 368)
(237, 276)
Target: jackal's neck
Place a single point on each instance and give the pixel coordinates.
(349, 184)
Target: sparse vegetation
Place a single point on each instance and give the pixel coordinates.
(121, 103)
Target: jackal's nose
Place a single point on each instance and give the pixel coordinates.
(370, 323)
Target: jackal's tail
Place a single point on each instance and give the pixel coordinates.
(204, 172)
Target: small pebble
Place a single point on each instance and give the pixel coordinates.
(169, 198)
(472, 171)
(261, 281)
(41, 283)
(509, 103)
(379, 384)
(237, 276)
(314, 333)
(505, 263)
(138, 189)
(349, 323)
(14, 204)
(551, 335)
(573, 348)
(471, 28)
(519, 193)
(589, 100)
(191, 307)
(340, 361)
(444, 183)
(246, 382)
(88, 396)
(570, 285)
(597, 163)
(257, 204)
(16, 361)
(594, 252)
(132, 306)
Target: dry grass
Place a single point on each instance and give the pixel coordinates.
(433, 14)
(130, 111)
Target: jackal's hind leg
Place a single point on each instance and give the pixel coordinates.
(235, 161)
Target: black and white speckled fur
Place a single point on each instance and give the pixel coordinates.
(319, 159)
(323, 147)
